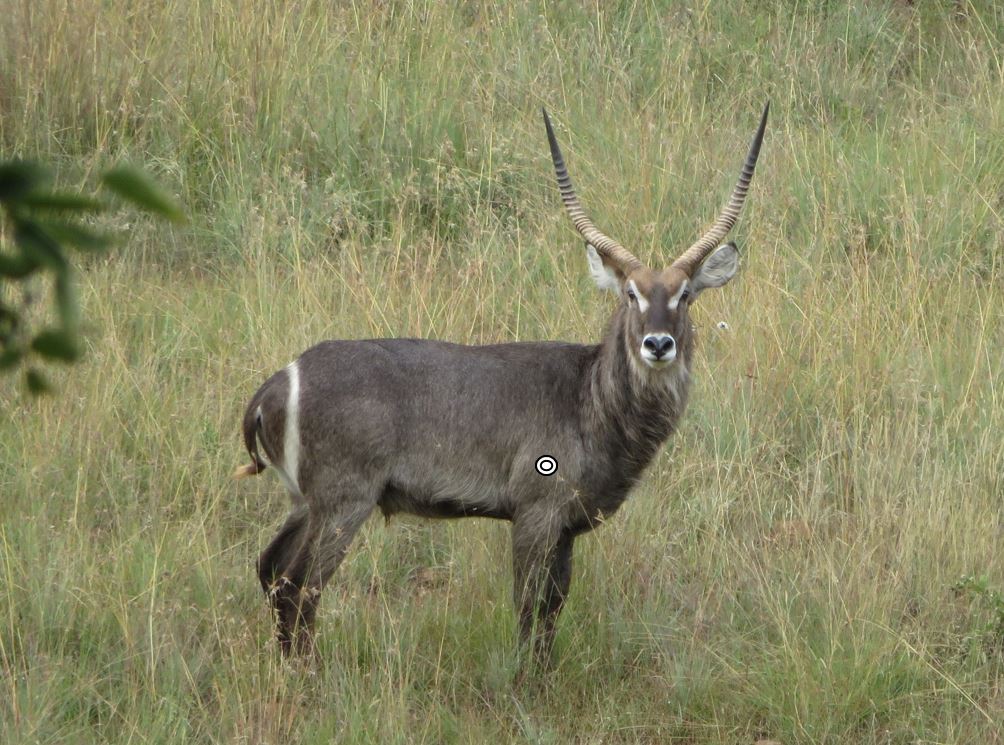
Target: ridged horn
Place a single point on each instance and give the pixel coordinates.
(693, 256)
(607, 247)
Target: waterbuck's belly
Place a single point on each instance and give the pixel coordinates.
(396, 499)
(446, 484)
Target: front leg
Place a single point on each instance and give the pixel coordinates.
(542, 572)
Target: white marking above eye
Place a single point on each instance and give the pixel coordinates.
(674, 301)
(642, 300)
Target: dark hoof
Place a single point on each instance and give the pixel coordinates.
(294, 611)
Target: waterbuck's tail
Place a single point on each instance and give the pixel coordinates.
(252, 428)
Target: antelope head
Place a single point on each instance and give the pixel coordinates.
(655, 315)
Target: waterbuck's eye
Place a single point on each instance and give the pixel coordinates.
(684, 297)
(631, 296)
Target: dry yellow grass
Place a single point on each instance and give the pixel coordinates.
(786, 570)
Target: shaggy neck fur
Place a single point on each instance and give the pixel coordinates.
(630, 409)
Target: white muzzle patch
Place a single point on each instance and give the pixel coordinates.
(658, 350)
(658, 363)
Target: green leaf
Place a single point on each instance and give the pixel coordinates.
(77, 235)
(17, 267)
(56, 344)
(37, 383)
(38, 245)
(56, 201)
(135, 186)
(9, 358)
(10, 319)
(66, 300)
(18, 178)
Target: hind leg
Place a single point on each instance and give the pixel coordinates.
(330, 530)
(283, 548)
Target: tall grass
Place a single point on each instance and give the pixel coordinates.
(786, 570)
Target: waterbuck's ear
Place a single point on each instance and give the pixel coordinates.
(716, 270)
(605, 275)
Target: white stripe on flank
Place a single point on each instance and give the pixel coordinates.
(291, 440)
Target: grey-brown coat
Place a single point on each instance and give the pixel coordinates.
(447, 430)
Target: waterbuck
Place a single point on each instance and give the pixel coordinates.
(551, 436)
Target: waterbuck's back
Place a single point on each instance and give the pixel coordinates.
(440, 429)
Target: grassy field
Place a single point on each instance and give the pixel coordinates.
(792, 567)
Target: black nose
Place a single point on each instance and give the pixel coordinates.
(660, 346)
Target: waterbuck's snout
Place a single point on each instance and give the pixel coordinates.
(658, 348)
